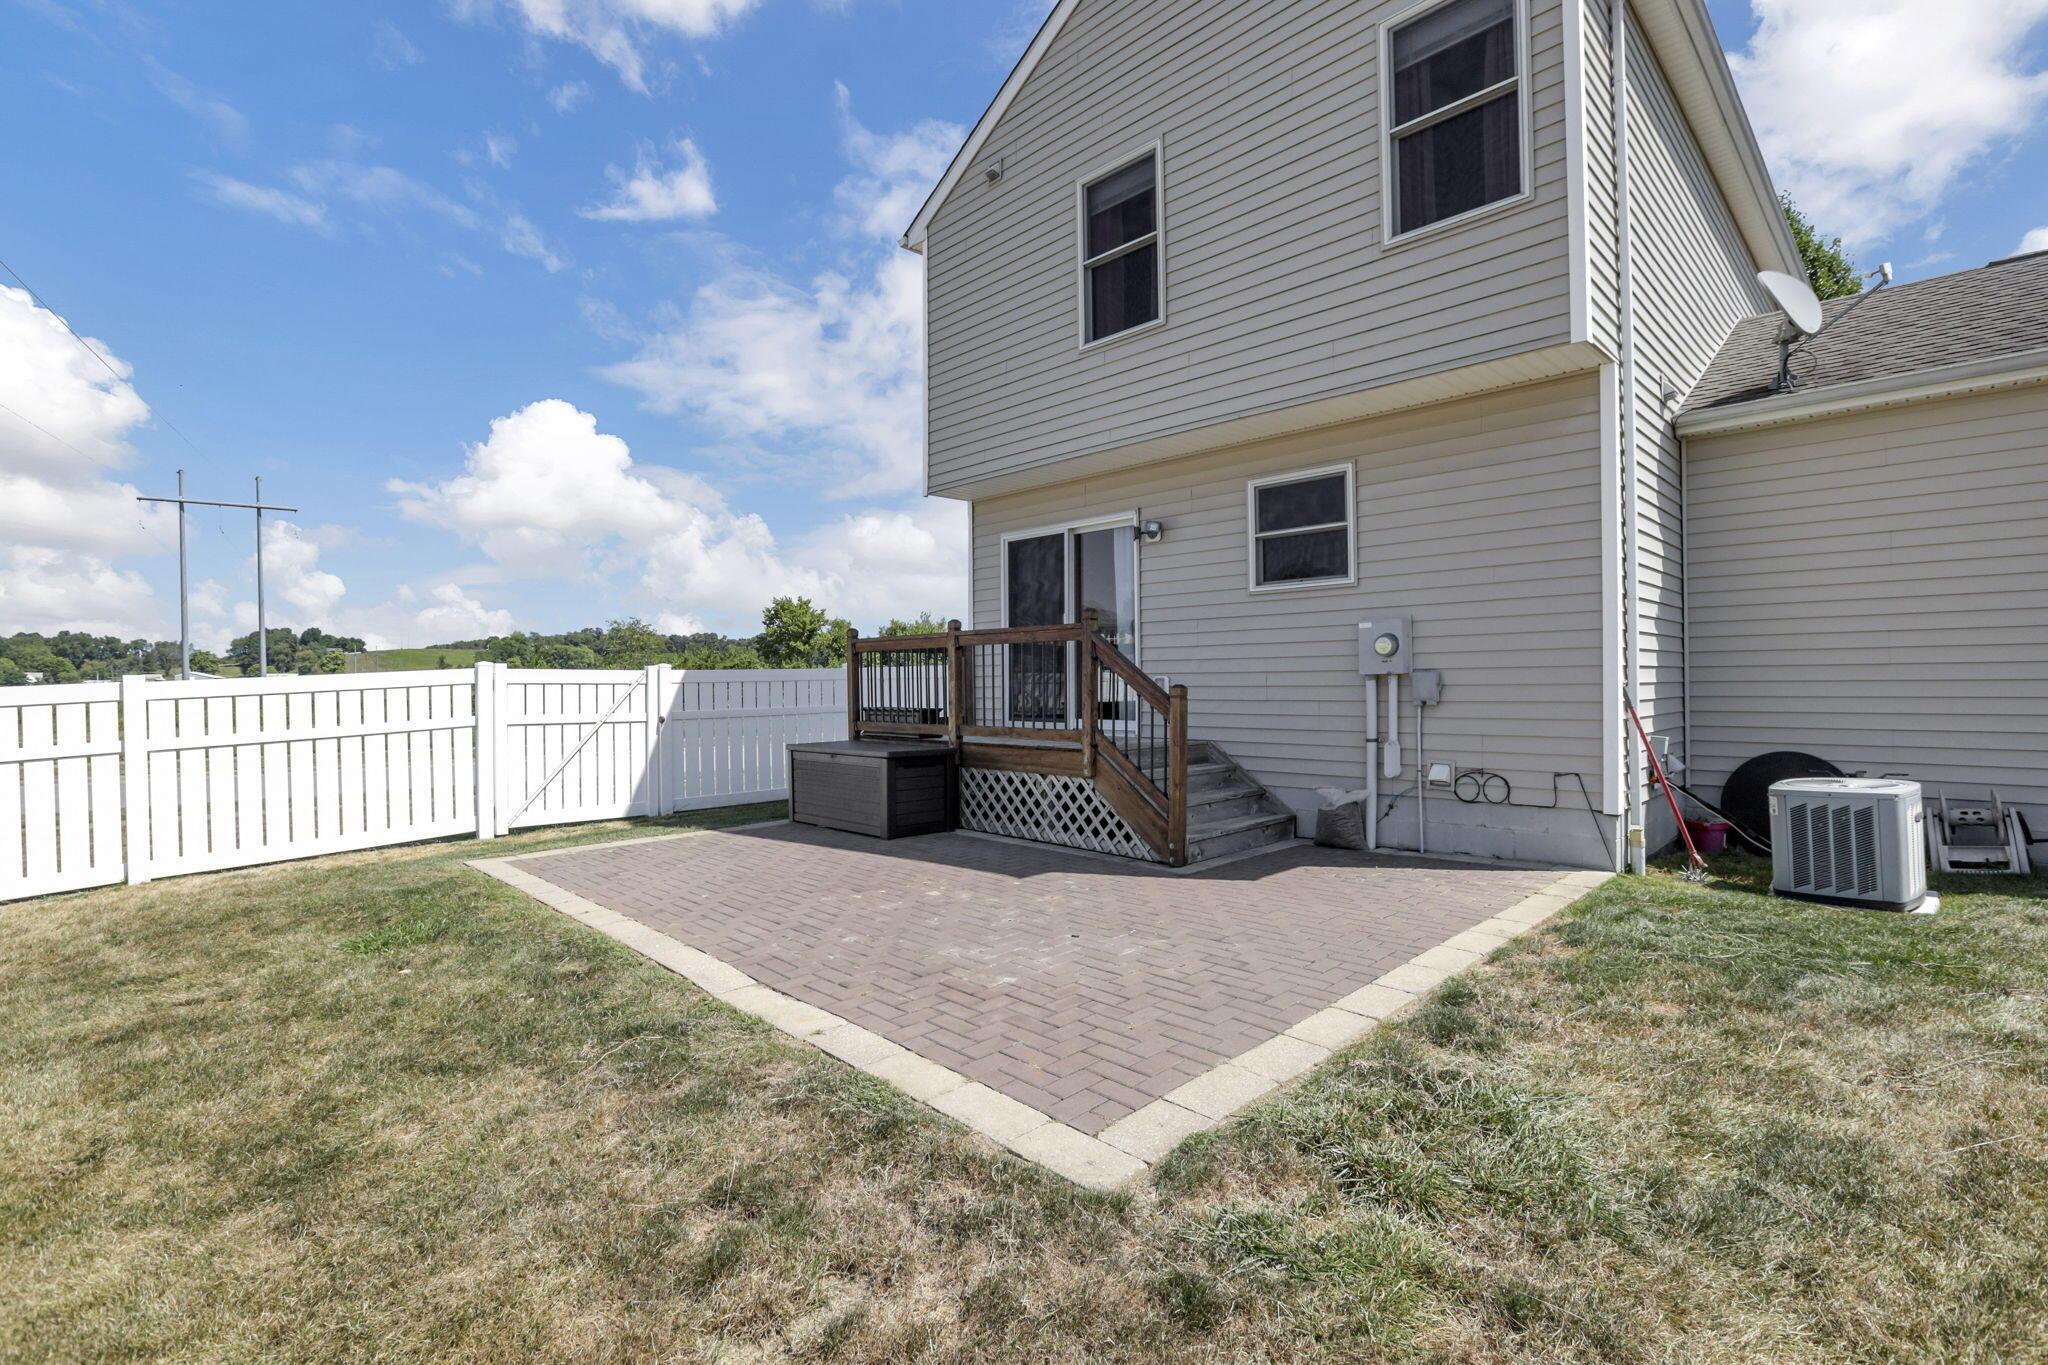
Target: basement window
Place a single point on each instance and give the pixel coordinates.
(1122, 260)
(1455, 111)
(1304, 529)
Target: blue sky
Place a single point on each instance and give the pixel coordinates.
(550, 311)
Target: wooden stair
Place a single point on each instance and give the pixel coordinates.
(1229, 810)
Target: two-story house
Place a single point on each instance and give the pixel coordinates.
(1251, 321)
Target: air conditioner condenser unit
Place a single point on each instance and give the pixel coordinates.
(1850, 841)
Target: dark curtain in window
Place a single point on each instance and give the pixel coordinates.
(1445, 56)
(1460, 164)
(1124, 293)
(1122, 207)
(1304, 557)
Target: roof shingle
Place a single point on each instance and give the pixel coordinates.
(1996, 310)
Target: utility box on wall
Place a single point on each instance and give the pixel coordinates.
(1385, 645)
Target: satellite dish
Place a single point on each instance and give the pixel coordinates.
(1795, 298)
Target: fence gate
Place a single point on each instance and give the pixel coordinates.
(577, 745)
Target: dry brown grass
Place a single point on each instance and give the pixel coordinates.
(383, 1107)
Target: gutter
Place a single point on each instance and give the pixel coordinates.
(1837, 400)
(1631, 492)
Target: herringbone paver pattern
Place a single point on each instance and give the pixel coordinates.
(1083, 987)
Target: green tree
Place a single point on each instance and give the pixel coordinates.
(925, 624)
(797, 634)
(1829, 269)
(630, 643)
(565, 656)
(11, 673)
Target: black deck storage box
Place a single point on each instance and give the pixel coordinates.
(890, 789)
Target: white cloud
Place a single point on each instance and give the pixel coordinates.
(300, 592)
(2037, 240)
(500, 148)
(567, 97)
(895, 172)
(392, 48)
(332, 192)
(615, 30)
(548, 494)
(380, 189)
(522, 238)
(65, 423)
(652, 193)
(1869, 110)
(266, 200)
(45, 591)
(227, 122)
(829, 373)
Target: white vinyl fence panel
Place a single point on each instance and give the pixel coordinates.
(729, 732)
(60, 788)
(248, 771)
(102, 782)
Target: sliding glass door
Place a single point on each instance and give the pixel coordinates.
(1035, 585)
(1051, 578)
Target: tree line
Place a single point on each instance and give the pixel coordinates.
(795, 633)
(72, 656)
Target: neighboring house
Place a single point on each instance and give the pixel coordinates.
(1385, 308)
(1868, 575)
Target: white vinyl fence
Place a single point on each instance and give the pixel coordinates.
(106, 782)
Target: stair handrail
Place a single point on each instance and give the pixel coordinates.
(1169, 804)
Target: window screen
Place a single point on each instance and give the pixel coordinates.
(1120, 249)
(1457, 117)
(1301, 530)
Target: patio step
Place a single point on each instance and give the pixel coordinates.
(1229, 810)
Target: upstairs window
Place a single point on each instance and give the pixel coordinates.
(1120, 250)
(1303, 532)
(1456, 117)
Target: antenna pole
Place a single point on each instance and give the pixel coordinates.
(262, 636)
(184, 574)
(184, 592)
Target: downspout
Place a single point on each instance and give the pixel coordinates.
(1631, 586)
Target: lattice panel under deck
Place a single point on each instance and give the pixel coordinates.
(1049, 810)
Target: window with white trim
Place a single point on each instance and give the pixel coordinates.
(1302, 529)
(1455, 139)
(1120, 250)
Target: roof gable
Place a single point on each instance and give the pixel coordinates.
(1680, 31)
(1041, 43)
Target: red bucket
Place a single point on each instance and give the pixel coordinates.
(1709, 836)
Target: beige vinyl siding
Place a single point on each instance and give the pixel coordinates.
(1279, 290)
(1603, 301)
(1480, 518)
(1872, 589)
(1694, 280)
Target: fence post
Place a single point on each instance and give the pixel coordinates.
(853, 684)
(1177, 773)
(135, 778)
(956, 698)
(657, 722)
(1090, 712)
(486, 750)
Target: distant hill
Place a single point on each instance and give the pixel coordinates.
(411, 660)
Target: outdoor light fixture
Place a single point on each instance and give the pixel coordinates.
(1149, 532)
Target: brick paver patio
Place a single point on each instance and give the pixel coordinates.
(1083, 987)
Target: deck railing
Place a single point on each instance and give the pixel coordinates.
(1063, 687)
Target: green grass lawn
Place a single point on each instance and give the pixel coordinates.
(411, 660)
(383, 1107)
